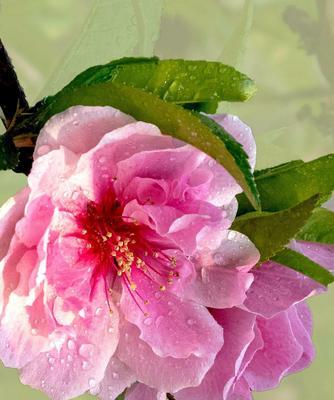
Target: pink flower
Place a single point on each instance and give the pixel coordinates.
(112, 255)
(265, 339)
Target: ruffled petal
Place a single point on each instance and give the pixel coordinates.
(79, 128)
(222, 263)
(166, 373)
(238, 333)
(10, 213)
(116, 379)
(142, 392)
(281, 351)
(173, 327)
(80, 354)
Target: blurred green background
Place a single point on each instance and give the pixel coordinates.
(287, 46)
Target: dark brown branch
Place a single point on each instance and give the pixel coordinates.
(170, 396)
(12, 97)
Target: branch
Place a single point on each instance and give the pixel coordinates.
(12, 97)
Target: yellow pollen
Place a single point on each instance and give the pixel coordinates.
(120, 243)
(119, 273)
(84, 231)
(89, 246)
(109, 234)
(104, 238)
(162, 288)
(113, 253)
(133, 286)
(155, 255)
(118, 238)
(146, 314)
(146, 302)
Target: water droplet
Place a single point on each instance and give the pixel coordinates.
(148, 321)
(111, 329)
(191, 322)
(86, 350)
(92, 383)
(115, 375)
(85, 365)
(158, 295)
(159, 320)
(75, 123)
(51, 360)
(71, 344)
(34, 331)
(98, 311)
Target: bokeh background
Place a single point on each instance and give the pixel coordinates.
(287, 46)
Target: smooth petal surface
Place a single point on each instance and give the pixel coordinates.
(322, 254)
(141, 392)
(10, 213)
(276, 288)
(79, 129)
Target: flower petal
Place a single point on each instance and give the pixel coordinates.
(79, 128)
(238, 333)
(166, 373)
(280, 352)
(173, 327)
(116, 379)
(80, 354)
(222, 262)
(10, 213)
(276, 288)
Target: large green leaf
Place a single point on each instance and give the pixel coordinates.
(176, 81)
(271, 231)
(304, 265)
(185, 125)
(319, 228)
(286, 185)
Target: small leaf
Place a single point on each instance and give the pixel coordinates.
(201, 84)
(8, 153)
(271, 231)
(288, 184)
(304, 265)
(319, 228)
(172, 119)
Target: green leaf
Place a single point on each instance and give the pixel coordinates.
(185, 125)
(304, 265)
(176, 81)
(8, 154)
(288, 184)
(271, 231)
(121, 396)
(319, 228)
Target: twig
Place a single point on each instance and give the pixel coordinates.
(12, 97)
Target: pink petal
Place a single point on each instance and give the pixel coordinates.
(281, 351)
(174, 327)
(301, 322)
(322, 254)
(222, 263)
(38, 213)
(238, 333)
(276, 288)
(10, 213)
(80, 354)
(241, 133)
(241, 391)
(142, 392)
(166, 373)
(117, 378)
(79, 129)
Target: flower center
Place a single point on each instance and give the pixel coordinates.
(118, 246)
